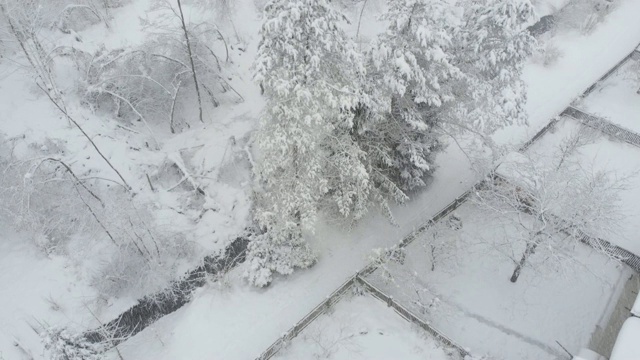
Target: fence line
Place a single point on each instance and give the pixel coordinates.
(336, 296)
(603, 125)
(408, 315)
(305, 321)
(610, 72)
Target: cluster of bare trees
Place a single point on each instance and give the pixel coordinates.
(179, 67)
(157, 79)
(553, 202)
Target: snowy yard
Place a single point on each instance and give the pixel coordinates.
(617, 99)
(362, 327)
(192, 187)
(469, 298)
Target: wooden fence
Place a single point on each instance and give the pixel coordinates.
(610, 72)
(408, 315)
(336, 296)
(305, 321)
(603, 125)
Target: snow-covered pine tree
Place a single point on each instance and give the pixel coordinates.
(412, 69)
(307, 68)
(491, 47)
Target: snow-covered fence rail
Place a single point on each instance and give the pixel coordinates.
(604, 246)
(610, 72)
(603, 125)
(616, 252)
(408, 315)
(336, 296)
(312, 315)
(538, 135)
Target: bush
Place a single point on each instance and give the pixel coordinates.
(60, 344)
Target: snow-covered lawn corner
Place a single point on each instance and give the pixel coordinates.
(362, 327)
(627, 345)
(468, 296)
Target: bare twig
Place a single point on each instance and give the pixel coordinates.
(193, 67)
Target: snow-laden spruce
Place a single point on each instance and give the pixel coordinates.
(491, 48)
(412, 67)
(440, 70)
(309, 71)
(332, 138)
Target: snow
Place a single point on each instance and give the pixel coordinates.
(586, 354)
(616, 99)
(231, 320)
(33, 284)
(552, 88)
(361, 327)
(635, 309)
(468, 296)
(605, 153)
(205, 329)
(548, 7)
(627, 346)
(39, 290)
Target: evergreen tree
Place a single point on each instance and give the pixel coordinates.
(440, 70)
(309, 72)
(413, 71)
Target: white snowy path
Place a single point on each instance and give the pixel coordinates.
(240, 322)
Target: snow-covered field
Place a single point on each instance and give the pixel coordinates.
(232, 320)
(362, 327)
(468, 295)
(616, 99)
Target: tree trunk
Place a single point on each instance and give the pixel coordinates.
(193, 67)
(531, 248)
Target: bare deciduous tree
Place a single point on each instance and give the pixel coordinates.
(554, 203)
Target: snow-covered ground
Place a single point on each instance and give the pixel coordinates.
(627, 347)
(64, 288)
(362, 327)
(468, 295)
(34, 288)
(616, 99)
(235, 321)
